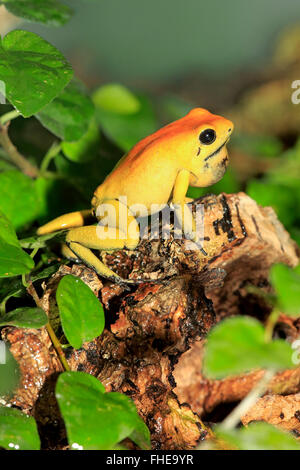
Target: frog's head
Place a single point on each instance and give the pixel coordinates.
(206, 136)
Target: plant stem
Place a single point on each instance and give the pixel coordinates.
(15, 156)
(52, 152)
(57, 346)
(271, 322)
(9, 116)
(31, 290)
(234, 417)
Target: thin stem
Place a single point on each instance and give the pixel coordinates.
(31, 290)
(25, 277)
(15, 156)
(271, 322)
(52, 152)
(235, 416)
(9, 116)
(57, 346)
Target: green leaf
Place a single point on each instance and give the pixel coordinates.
(81, 313)
(94, 419)
(237, 345)
(84, 149)
(25, 317)
(286, 282)
(40, 241)
(13, 260)
(7, 232)
(278, 196)
(9, 372)
(127, 129)
(117, 99)
(17, 430)
(68, 115)
(33, 71)
(50, 12)
(258, 436)
(18, 198)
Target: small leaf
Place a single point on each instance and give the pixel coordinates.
(68, 115)
(7, 232)
(9, 372)
(34, 71)
(84, 149)
(25, 317)
(17, 430)
(286, 282)
(258, 436)
(18, 198)
(50, 12)
(127, 129)
(117, 99)
(40, 241)
(81, 313)
(94, 419)
(13, 260)
(237, 345)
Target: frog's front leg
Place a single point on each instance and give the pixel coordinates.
(182, 211)
(83, 240)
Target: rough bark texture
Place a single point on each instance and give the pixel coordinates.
(152, 345)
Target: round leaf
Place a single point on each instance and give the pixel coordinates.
(17, 430)
(258, 436)
(18, 198)
(237, 345)
(9, 372)
(13, 260)
(117, 99)
(94, 419)
(25, 317)
(7, 232)
(50, 12)
(68, 115)
(127, 129)
(34, 71)
(81, 313)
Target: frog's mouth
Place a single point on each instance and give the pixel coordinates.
(216, 151)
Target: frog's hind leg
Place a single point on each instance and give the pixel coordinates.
(82, 240)
(66, 221)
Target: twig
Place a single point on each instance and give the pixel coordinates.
(31, 290)
(52, 152)
(270, 325)
(234, 417)
(9, 116)
(15, 156)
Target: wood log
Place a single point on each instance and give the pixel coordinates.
(152, 345)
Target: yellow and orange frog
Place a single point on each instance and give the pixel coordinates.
(156, 171)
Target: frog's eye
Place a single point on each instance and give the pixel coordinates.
(208, 136)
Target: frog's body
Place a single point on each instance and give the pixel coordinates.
(158, 169)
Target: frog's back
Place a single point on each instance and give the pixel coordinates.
(146, 174)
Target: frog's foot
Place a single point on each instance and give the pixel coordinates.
(66, 221)
(82, 240)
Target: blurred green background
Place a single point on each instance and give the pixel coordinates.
(161, 40)
(235, 58)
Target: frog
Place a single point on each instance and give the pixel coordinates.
(158, 170)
